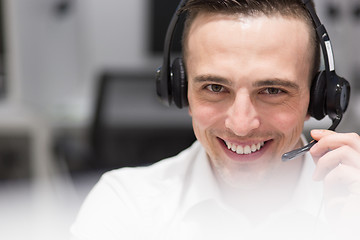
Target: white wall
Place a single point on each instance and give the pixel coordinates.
(56, 58)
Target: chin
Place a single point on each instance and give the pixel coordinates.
(246, 178)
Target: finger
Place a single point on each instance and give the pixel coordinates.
(329, 140)
(344, 155)
(319, 149)
(335, 140)
(317, 134)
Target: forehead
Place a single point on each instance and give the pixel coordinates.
(249, 42)
(274, 21)
(204, 18)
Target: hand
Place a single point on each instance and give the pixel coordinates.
(337, 158)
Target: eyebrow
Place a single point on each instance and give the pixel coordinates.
(261, 83)
(212, 78)
(276, 82)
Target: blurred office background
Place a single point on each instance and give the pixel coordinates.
(77, 98)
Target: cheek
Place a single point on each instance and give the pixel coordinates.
(204, 119)
(290, 121)
(203, 114)
(291, 113)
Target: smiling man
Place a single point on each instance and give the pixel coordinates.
(248, 96)
(249, 68)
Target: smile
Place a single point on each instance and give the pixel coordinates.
(246, 149)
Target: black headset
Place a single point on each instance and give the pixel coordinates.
(329, 93)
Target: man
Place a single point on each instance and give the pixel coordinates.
(249, 67)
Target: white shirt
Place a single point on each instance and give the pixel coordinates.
(178, 198)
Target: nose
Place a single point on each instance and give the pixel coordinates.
(242, 116)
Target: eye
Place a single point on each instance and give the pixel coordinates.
(272, 91)
(215, 88)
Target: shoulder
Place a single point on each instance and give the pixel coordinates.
(126, 196)
(153, 179)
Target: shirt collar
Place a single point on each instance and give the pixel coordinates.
(202, 183)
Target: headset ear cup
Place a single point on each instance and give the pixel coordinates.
(179, 83)
(345, 94)
(317, 105)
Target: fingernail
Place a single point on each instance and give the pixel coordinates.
(317, 131)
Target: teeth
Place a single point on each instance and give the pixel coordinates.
(244, 149)
(253, 148)
(233, 148)
(239, 150)
(247, 150)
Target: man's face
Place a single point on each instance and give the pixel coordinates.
(248, 91)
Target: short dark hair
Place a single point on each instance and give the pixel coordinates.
(286, 8)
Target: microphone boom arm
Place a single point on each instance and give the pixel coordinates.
(301, 151)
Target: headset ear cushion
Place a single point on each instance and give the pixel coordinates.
(317, 105)
(179, 83)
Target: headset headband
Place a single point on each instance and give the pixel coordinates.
(328, 56)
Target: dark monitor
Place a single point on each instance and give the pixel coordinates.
(131, 127)
(160, 14)
(2, 50)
